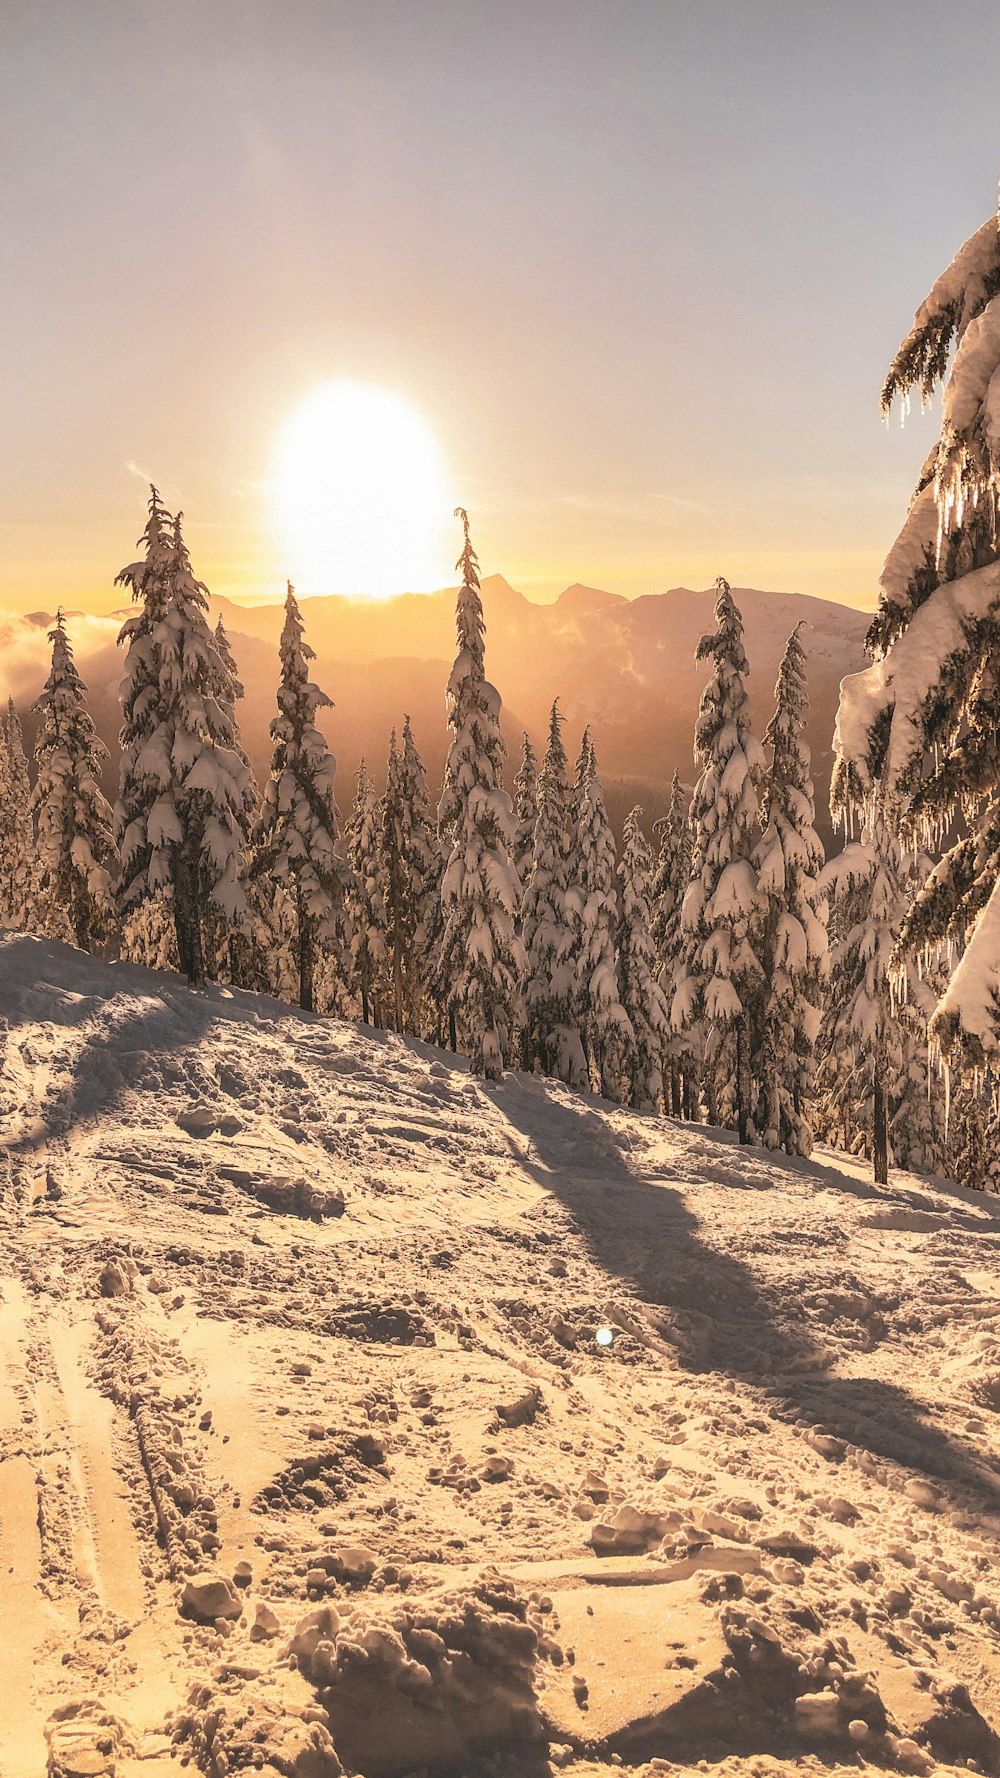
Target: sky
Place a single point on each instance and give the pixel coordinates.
(639, 265)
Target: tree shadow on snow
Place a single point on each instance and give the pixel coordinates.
(141, 1014)
(644, 1233)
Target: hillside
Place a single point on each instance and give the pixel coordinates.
(310, 1457)
(626, 666)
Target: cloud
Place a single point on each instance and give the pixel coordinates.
(25, 651)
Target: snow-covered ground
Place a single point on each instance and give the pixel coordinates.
(307, 1442)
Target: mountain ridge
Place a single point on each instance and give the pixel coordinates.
(625, 666)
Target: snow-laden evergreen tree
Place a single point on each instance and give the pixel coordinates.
(792, 939)
(76, 850)
(367, 898)
(581, 773)
(228, 660)
(525, 810)
(875, 1059)
(19, 898)
(186, 798)
(412, 878)
(295, 839)
(641, 995)
(398, 935)
(244, 953)
(481, 957)
(604, 1024)
(681, 1049)
(919, 730)
(552, 910)
(721, 977)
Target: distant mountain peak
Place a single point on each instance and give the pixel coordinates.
(579, 599)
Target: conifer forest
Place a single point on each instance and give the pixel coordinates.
(499, 1070)
(717, 969)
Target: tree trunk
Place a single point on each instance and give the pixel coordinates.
(743, 1078)
(78, 917)
(364, 1001)
(397, 980)
(306, 954)
(452, 1033)
(676, 1102)
(880, 1133)
(187, 915)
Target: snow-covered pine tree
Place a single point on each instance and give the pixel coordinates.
(604, 1024)
(641, 995)
(581, 772)
(525, 810)
(481, 956)
(681, 1049)
(391, 824)
(721, 976)
(792, 940)
(185, 799)
(874, 1063)
(76, 850)
(416, 918)
(552, 909)
(295, 838)
(19, 899)
(919, 729)
(367, 898)
(243, 953)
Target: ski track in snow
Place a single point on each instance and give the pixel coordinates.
(284, 1292)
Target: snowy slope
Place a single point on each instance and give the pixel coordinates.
(298, 1325)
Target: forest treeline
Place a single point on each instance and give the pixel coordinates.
(726, 972)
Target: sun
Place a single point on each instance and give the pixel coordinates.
(362, 494)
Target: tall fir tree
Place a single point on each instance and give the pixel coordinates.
(525, 810)
(792, 942)
(185, 799)
(870, 1074)
(641, 994)
(398, 928)
(234, 952)
(919, 730)
(551, 924)
(367, 898)
(19, 896)
(481, 956)
(721, 977)
(295, 838)
(412, 910)
(604, 1024)
(681, 1049)
(76, 850)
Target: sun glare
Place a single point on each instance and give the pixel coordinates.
(362, 494)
